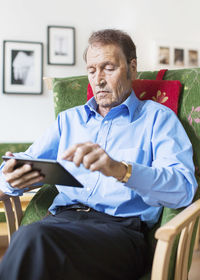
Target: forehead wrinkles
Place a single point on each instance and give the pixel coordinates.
(104, 54)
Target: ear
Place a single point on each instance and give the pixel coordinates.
(133, 69)
(133, 64)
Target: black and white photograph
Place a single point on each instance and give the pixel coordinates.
(61, 45)
(179, 57)
(22, 67)
(193, 58)
(164, 55)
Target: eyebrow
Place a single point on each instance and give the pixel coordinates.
(103, 64)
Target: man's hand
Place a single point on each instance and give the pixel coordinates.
(20, 177)
(94, 158)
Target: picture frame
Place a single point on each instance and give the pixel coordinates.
(60, 45)
(22, 67)
(193, 58)
(164, 55)
(177, 55)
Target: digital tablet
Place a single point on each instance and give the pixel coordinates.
(54, 173)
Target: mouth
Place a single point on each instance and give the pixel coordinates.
(102, 92)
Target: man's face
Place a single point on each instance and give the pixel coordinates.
(109, 74)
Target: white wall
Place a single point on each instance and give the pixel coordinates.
(23, 117)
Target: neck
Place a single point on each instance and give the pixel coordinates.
(103, 111)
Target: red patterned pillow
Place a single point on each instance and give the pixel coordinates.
(162, 91)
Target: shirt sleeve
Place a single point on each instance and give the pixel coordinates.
(169, 181)
(46, 147)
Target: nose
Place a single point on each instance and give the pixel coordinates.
(100, 79)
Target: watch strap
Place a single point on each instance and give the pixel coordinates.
(128, 172)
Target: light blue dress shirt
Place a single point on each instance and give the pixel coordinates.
(144, 133)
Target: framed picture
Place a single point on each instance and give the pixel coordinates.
(22, 67)
(179, 57)
(164, 55)
(193, 58)
(61, 45)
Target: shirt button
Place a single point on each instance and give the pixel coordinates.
(106, 122)
(88, 189)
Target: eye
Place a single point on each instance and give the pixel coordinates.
(109, 68)
(91, 71)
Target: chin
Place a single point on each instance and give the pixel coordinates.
(104, 103)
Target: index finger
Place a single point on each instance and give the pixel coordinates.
(69, 153)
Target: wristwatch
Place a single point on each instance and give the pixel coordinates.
(128, 172)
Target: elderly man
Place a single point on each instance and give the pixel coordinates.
(133, 157)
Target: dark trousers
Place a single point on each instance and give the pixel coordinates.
(76, 245)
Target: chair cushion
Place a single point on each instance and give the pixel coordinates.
(69, 92)
(164, 92)
(38, 206)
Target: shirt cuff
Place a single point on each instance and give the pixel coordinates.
(6, 188)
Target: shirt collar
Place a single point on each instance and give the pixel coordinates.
(131, 103)
(90, 109)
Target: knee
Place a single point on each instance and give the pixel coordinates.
(29, 232)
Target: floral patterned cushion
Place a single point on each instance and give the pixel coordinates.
(164, 92)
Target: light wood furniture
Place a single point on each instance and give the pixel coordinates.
(14, 207)
(182, 224)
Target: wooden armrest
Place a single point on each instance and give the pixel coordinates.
(13, 211)
(12, 223)
(2, 195)
(183, 225)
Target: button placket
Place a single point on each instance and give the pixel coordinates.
(103, 133)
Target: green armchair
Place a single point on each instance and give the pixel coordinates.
(175, 233)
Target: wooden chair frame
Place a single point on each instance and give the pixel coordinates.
(182, 224)
(13, 212)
